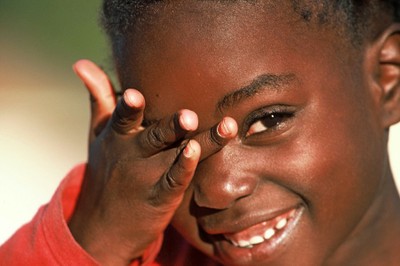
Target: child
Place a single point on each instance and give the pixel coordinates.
(257, 129)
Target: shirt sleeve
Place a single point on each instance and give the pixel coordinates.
(46, 240)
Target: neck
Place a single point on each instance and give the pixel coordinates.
(376, 239)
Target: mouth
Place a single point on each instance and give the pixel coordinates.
(258, 242)
(261, 232)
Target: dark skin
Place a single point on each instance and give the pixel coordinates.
(310, 139)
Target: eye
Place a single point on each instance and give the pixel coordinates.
(267, 121)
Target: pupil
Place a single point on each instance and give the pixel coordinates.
(272, 120)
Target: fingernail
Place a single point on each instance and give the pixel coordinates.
(186, 122)
(183, 122)
(131, 99)
(223, 130)
(188, 151)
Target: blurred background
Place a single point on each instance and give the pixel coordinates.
(44, 109)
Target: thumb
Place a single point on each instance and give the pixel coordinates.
(102, 97)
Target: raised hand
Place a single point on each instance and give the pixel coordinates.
(136, 177)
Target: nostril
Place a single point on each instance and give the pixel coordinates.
(204, 201)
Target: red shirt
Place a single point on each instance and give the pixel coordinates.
(46, 240)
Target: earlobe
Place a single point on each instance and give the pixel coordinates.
(389, 76)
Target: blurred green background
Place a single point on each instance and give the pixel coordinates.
(58, 31)
(44, 109)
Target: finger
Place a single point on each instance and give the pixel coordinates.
(101, 94)
(171, 187)
(217, 137)
(128, 114)
(167, 131)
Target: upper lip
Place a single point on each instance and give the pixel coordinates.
(214, 225)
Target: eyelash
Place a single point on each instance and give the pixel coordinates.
(268, 119)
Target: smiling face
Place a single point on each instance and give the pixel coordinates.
(308, 161)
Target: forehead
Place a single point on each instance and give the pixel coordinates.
(196, 47)
(211, 27)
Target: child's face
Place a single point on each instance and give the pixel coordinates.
(309, 151)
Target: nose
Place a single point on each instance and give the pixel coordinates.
(221, 180)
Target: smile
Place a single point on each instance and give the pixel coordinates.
(261, 232)
(260, 241)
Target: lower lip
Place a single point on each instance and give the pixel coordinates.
(267, 250)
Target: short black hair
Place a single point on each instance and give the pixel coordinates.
(358, 18)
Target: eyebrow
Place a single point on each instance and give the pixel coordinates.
(262, 82)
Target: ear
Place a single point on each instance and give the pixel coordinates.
(389, 75)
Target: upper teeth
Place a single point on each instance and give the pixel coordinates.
(243, 243)
(269, 233)
(257, 239)
(281, 224)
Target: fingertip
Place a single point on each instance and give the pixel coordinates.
(77, 67)
(134, 98)
(188, 120)
(77, 64)
(91, 75)
(192, 149)
(81, 64)
(227, 127)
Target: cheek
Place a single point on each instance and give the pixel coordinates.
(186, 224)
(337, 153)
(336, 165)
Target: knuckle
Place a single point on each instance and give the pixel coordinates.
(171, 182)
(155, 137)
(215, 138)
(165, 191)
(120, 123)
